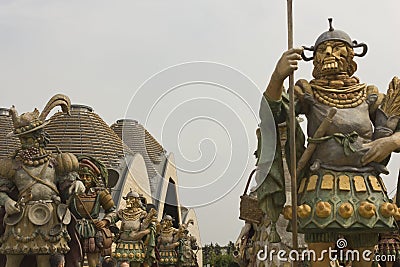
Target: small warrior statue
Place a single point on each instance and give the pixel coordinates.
(167, 242)
(136, 241)
(36, 221)
(188, 246)
(94, 235)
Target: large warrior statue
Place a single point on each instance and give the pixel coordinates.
(340, 192)
(36, 220)
(95, 237)
(136, 240)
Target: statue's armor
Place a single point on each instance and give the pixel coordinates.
(86, 208)
(37, 229)
(168, 256)
(186, 253)
(337, 177)
(128, 246)
(345, 121)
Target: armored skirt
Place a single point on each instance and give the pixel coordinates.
(37, 230)
(337, 194)
(131, 251)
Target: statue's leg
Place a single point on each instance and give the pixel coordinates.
(321, 251)
(93, 259)
(14, 260)
(43, 260)
(364, 262)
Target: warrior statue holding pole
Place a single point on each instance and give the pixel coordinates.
(352, 130)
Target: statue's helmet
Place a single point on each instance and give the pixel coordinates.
(168, 218)
(334, 35)
(29, 122)
(131, 194)
(93, 167)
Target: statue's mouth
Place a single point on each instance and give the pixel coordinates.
(330, 65)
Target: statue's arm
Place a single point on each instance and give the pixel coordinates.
(286, 65)
(272, 99)
(7, 173)
(385, 117)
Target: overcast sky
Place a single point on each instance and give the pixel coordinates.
(109, 55)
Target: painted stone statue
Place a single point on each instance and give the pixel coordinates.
(136, 241)
(168, 242)
(95, 237)
(188, 246)
(340, 192)
(36, 220)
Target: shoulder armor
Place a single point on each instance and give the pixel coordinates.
(301, 88)
(391, 102)
(374, 98)
(7, 168)
(106, 200)
(65, 163)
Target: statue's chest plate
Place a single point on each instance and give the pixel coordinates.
(39, 191)
(130, 225)
(85, 204)
(346, 120)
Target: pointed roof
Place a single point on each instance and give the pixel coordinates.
(85, 132)
(8, 145)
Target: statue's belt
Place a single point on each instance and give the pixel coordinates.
(345, 140)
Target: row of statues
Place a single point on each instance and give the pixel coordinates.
(53, 204)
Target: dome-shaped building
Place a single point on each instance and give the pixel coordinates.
(8, 144)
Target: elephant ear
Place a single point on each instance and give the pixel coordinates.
(391, 103)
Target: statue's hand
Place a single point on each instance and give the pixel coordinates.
(288, 63)
(77, 187)
(378, 150)
(11, 207)
(101, 224)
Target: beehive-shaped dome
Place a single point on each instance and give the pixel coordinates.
(84, 132)
(8, 144)
(134, 135)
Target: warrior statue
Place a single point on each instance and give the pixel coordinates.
(136, 241)
(340, 192)
(95, 237)
(36, 220)
(188, 246)
(167, 242)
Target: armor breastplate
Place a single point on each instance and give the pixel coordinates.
(39, 191)
(85, 204)
(346, 121)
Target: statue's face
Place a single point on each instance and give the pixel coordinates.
(133, 202)
(333, 57)
(87, 180)
(27, 141)
(166, 224)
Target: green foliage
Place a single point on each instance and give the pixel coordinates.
(215, 255)
(225, 261)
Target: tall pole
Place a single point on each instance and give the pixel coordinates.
(292, 130)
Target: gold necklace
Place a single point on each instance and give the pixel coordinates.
(347, 97)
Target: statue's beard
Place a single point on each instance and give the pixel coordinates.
(332, 67)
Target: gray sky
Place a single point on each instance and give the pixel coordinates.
(99, 53)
